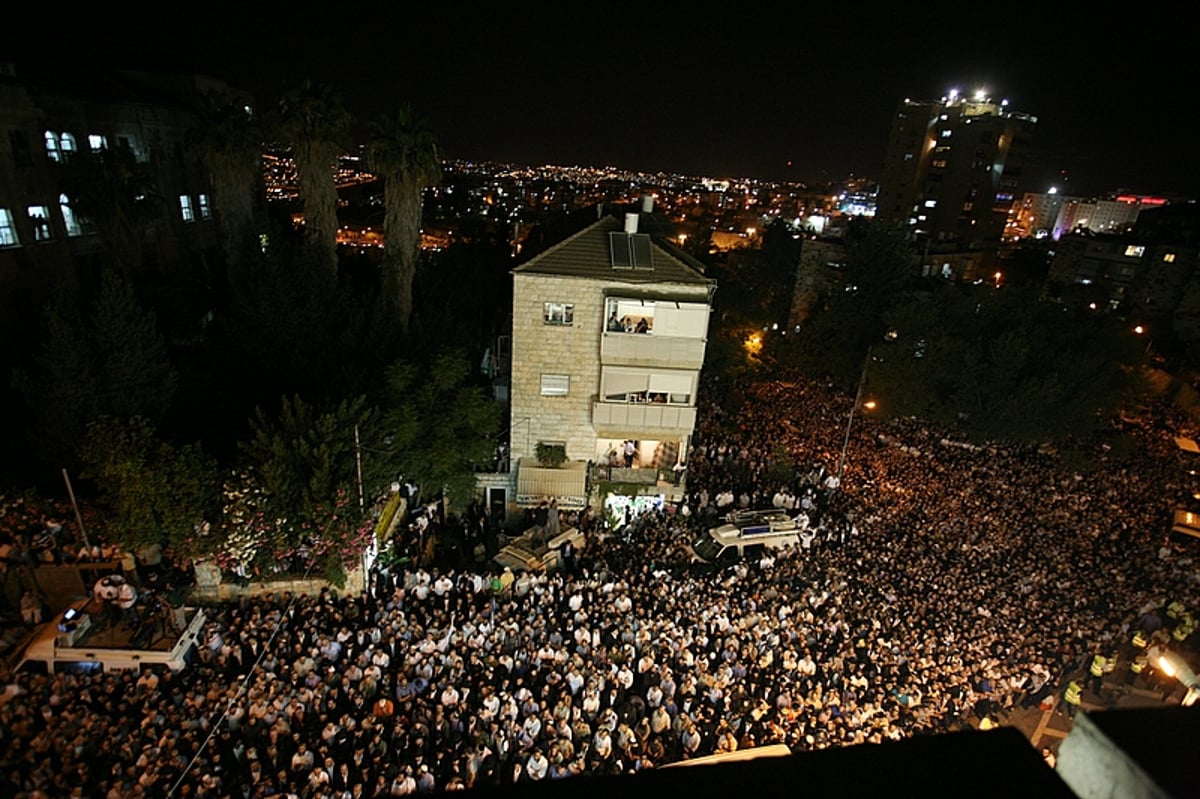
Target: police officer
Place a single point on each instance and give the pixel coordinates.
(1096, 670)
(1137, 667)
(1073, 696)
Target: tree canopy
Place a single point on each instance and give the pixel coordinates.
(106, 359)
(151, 491)
(438, 424)
(1000, 365)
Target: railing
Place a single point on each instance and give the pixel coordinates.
(651, 350)
(645, 419)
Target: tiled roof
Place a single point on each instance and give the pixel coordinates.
(587, 254)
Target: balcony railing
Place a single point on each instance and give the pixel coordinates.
(646, 420)
(650, 350)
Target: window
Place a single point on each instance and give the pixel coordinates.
(558, 313)
(946, 133)
(39, 217)
(931, 203)
(556, 385)
(97, 142)
(1134, 251)
(69, 219)
(202, 202)
(52, 151)
(8, 231)
(185, 208)
(66, 143)
(1169, 258)
(630, 384)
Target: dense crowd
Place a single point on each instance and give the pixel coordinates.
(943, 584)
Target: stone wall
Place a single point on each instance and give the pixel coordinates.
(539, 348)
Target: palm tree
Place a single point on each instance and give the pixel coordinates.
(230, 141)
(403, 151)
(312, 119)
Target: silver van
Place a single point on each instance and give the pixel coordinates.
(746, 534)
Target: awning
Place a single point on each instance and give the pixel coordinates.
(567, 484)
(1187, 444)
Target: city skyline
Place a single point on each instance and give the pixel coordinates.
(798, 97)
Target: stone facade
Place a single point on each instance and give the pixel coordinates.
(578, 383)
(547, 349)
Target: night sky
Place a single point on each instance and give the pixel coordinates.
(745, 93)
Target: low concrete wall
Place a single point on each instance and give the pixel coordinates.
(208, 591)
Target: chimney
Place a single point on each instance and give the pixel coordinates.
(631, 223)
(647, 203)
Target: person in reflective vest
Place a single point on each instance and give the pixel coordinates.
(1174, 609)
(1097, 672)
(1139, 639)
(1184, 628)
(1073, 696)
(1136, 667)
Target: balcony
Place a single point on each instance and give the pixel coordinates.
(642, 349)
(643, 420)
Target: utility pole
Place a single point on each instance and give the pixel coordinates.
(362, 503)
(75, 505)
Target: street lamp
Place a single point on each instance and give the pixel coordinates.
(862, 381)
(1141, 330)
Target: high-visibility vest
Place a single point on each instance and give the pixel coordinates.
(1074, 693)
(1110, 664)
(1139, 640)
(1174, 609)
(1184, 628)
(1097, 667)
(1139, 664)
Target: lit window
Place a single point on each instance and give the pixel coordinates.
(205, 211)
(8, 231)
(66, 143)
(52, 149)
(1134, 251)
(97, 142)
(185, 208)
(556, 385)
(946, 133)
(69, 219)
(931, 203)
(939, 164)
(1169, 258)
(39, 217)
(558, 313)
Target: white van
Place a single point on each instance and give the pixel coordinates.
(70, 643)
(746, 534)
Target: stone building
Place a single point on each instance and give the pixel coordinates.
(609, 333)
(97, 172)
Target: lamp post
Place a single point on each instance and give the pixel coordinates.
(862, 381)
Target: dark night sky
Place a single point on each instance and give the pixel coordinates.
(736, 94)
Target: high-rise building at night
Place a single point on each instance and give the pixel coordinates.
(952, 170)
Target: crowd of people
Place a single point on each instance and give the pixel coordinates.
(942, 586)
